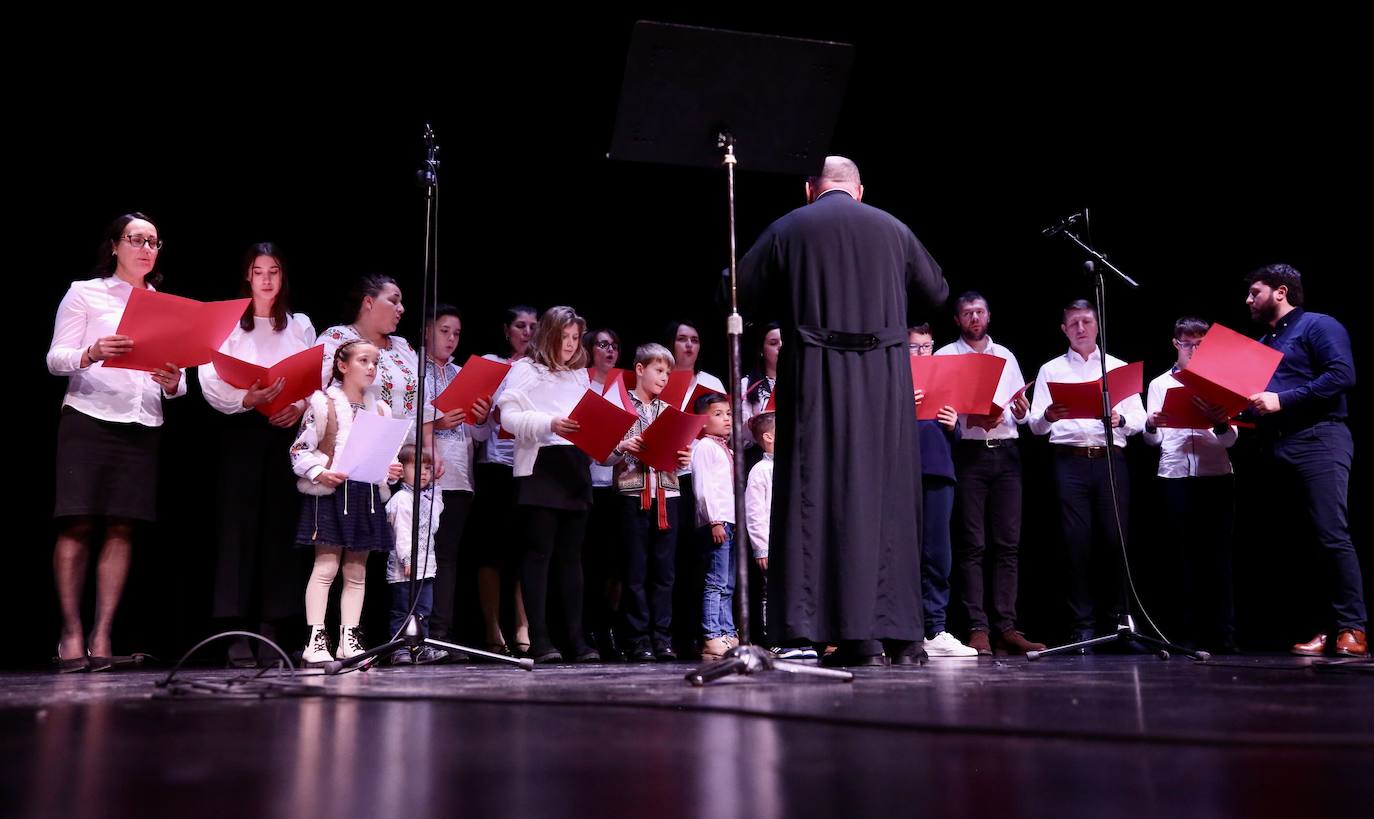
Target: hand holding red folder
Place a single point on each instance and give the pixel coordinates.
(1227, 368)
(479, 378)
(300, 374)
(670, 433)
(601, 425)
(1083, 399)
(965, 382)
(1184, 409)
(171, 329)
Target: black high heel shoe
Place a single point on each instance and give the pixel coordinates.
(68, 666)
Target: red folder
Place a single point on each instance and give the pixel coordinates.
(1180, 411)
(478, 378)
(997, 409)
(772, 404)
(301, 371)
(1228, 368)
(167, 328)
(1084, 398)
(603, 425)
(671, 432)
(675, 393)
(966, 382)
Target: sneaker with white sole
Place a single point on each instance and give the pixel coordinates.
(945, 644)
(350, 643)
(317, 647)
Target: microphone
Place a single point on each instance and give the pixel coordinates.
(1062, 225)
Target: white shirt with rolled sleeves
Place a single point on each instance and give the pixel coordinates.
(758, 504)
(90, 311)
(263, 347)
(1007, 387)
(713, 482)
(1186, 453)
(1071, 368)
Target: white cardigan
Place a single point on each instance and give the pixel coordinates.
(533, 396)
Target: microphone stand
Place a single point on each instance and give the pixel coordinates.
(410, 636)
(1125, 627)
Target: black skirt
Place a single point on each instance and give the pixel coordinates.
(354, 518)
(105, 469)
(562, 479)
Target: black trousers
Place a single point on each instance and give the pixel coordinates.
(650, 568)
(1096, 580)
(987, 524)
(1199, 516)
(457, 505)
(553, 536)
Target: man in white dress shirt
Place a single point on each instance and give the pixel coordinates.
(987, 465)
(1092, 525)
(1199, 500)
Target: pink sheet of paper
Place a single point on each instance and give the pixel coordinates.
(672, 431)
(167, 328)
(1228, 368)
(966, 382)
(1084, 398)
(301, 371)
(603, 425)
(478, 378)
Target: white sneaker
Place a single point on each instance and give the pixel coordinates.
(316, 648)
(945, 644)
(350, 643)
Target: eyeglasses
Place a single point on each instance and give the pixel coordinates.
(916, 348)
(1188, 345)
(136, 241)
(607, 345)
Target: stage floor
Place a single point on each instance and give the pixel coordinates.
(1064, 737)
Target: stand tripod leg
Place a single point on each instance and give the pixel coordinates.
(1170, 648)
(523, 662)
(713, 671)
(1049, 652)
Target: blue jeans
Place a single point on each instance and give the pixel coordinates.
(936, 552)
(718, 598)
(400, 604)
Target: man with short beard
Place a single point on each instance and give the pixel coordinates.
(1302, 419)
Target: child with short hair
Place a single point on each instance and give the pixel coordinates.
(713, 473)
(399, 570)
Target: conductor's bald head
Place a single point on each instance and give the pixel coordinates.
(839, 173)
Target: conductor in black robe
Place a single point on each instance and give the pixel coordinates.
(842, 279)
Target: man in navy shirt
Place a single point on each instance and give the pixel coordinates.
(1302, 417)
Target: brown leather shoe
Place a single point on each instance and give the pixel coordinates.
(979, 640)
(1014, 642)
(1315, 647)
(1351, 643)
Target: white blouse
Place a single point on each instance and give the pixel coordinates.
(397, 381)
(262, 346)
(90, 311)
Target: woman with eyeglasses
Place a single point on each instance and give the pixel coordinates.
(107, 439)
(256, 584)
(490, 528)
(601, 554)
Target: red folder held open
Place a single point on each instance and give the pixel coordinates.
(168, 328)
(478, 378)
(1084, 398)
(603, 425)
(966, 382)
(671, 432)
(1228, 368)
(301, 371)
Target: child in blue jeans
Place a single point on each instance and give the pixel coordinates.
(713, 474)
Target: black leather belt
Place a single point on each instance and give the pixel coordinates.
(987, 443)
(1082, 451)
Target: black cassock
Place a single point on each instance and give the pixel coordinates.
(841, 278)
